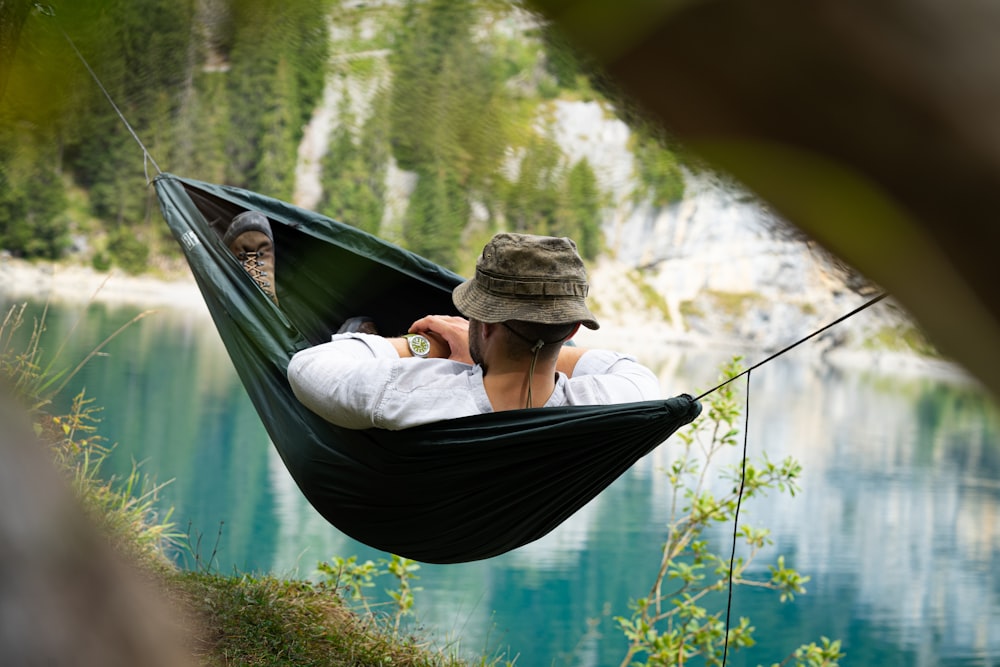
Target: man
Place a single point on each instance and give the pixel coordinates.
(526, 300)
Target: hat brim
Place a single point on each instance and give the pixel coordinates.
(476, 303)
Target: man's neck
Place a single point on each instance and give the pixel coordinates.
(507, 388)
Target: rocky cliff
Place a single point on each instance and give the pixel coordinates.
(718, 265)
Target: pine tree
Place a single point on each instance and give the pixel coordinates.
(435, 217)
(533, 198)
(580, 217)
(354, 170)
(33, 223)
(274, 171)
(446, 108)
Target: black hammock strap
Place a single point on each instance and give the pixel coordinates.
(453, 491)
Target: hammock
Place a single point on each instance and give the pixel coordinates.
(453, 491)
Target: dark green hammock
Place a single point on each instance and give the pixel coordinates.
(453, 491)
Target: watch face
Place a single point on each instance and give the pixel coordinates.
(419, 346)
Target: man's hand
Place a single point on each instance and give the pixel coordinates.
(447, 333)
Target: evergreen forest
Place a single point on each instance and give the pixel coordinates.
(452, 94)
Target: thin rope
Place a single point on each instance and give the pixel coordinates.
(780, 352)
(736, 520)
(743, 463)
(48, 11)
(531, 369)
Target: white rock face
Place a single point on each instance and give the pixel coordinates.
(726, 267)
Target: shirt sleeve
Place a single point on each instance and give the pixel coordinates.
(616, 378)
(342, 381)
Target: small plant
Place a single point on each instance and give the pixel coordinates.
(671, 624)
(354, 577)
(125, 507)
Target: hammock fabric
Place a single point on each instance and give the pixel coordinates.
(453, 491)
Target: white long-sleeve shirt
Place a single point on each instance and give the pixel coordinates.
(359, 381)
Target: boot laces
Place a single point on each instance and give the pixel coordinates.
(252, 264)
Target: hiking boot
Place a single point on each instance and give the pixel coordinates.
(249, 237)
(359, 324)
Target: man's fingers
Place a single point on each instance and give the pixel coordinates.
(439, 324)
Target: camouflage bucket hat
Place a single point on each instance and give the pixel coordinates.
(529, 278)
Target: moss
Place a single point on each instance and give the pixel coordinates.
(901, 338)
(652, 300)
(691, 308)
(734, 304)
(365, 67)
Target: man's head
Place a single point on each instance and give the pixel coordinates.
(533, 279)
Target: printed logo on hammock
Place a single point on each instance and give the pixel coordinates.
(189, 240)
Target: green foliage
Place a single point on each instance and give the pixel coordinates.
(262, 620)
(221, 91)
(20, 363)
(533, 198)
(658, 169)
(653, 299)
(274, 165)
(200, 146)
(580, 216)
(128, 251)
(546, 198)
(125, 508)
(436, 216)
(356, 578)
(562, 61)
(33, 202)
(278, 52)
(672, 624)
(903, 337)
(446, 111)
(826, 654)
(354, 168)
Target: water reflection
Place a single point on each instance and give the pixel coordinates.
(898, 522)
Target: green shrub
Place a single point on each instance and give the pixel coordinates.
(128, 251)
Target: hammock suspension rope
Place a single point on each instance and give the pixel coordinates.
(47, 10)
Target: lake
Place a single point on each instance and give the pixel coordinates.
(897, 523)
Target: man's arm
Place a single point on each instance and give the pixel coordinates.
(569, 355)
(342, 380)
(448, 334)
(619, 377)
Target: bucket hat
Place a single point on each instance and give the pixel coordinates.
(529, 278)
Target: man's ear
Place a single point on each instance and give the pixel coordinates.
(488, 328)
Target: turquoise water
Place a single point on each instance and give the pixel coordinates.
(898, 522)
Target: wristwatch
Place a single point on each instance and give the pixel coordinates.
(419, 345)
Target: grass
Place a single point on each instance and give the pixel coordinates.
(263, 620)
(237, 619)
